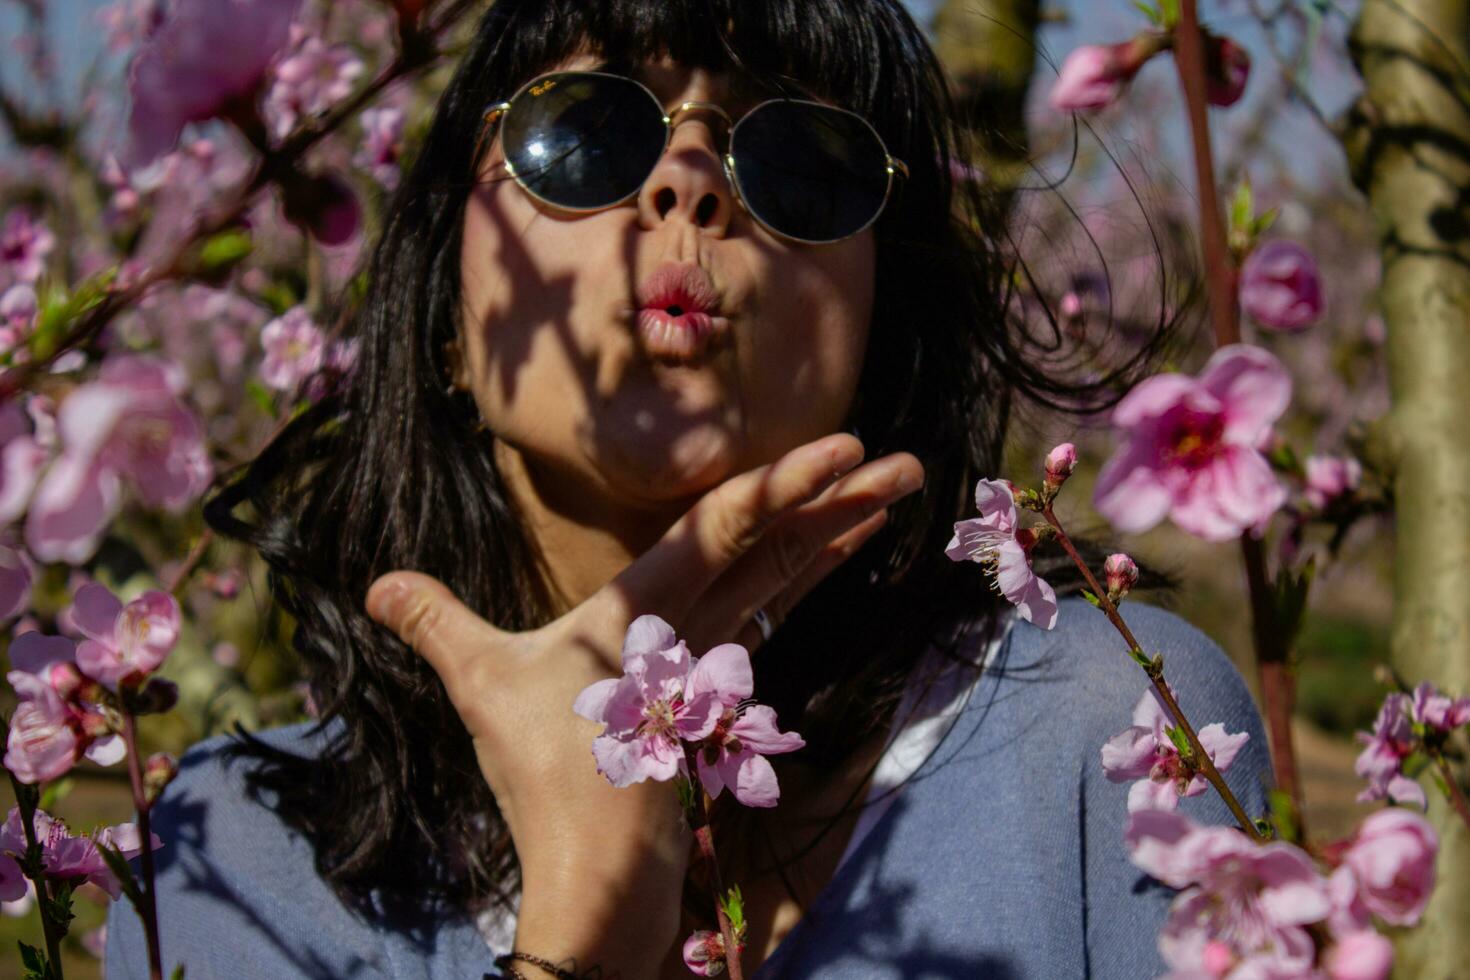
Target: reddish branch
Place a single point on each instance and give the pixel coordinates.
(1278, 686)
(1202, 759)
(147, 905)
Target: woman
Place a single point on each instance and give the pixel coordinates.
(635, 380)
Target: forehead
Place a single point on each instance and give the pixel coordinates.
(673, 82)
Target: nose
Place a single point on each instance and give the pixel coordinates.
(688, 184)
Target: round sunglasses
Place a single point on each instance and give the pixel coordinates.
(586, 141)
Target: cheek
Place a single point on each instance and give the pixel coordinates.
(805, 360)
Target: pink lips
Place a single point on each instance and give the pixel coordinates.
(678, 313)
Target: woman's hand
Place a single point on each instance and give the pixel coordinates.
(595, 858)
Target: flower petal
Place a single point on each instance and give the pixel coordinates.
(1130, 754)
(725, 672)
(1252, 386)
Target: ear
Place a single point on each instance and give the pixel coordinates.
(454, 361)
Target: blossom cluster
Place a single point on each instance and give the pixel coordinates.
(669, 706)
(70, 692)
(1404, 725)
(1254, 910)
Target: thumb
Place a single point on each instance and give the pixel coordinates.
(430, 619)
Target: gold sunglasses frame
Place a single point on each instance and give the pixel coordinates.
(497, 112)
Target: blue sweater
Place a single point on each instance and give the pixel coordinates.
(1002, 858)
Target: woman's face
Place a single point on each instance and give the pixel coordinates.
(573, 367)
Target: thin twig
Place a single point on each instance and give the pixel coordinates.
(1202, 759)
(147, 906)
(1221, 280)
(1452, 786)
(53, 931)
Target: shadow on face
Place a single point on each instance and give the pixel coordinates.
(607, 411)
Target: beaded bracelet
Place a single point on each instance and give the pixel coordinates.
(503, 961)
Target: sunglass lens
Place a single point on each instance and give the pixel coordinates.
(582, 140)
(808, 171)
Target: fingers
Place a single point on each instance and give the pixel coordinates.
(747, 632)
(431, 620)
(804, 546)
(726, 523)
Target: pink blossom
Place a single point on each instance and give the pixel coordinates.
(206, 57)
(382, 145)
(1392, 859)
(1280, 286)
(1189, 448)
(733, 754)
(311, 79)
(704, 953)
(65, 856)
(52, 727)
(1243, 904)
(294, 348)
(1092, 76)
(1439, 711)
(997, 542)
(24, 244)
(1330, 477)
(124, 643)
(1363, 955)
(131, 422)
(1382, 759)
(15, 582)
(1228, 68)
(17, 316)
(1145, 753)
(1121, 574)
(21, 458)
(1060, 463)
(646, 712)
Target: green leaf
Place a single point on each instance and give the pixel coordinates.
(735, 909)
(59, 908)
(123, 872)
(1439, 781)
(58, 311)
(225, 249)
(1092, 598)
(1140, 658)
(1291, 592)
(1148, 10)
(178, 973)
(1263, 222)
(55, 792)
(1168, 13)
(34, 962)
(262, 397)
(1242, 207)
(1181, 742)
(1283, 815)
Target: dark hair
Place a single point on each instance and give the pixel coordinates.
(390, 472)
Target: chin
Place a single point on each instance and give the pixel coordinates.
(641, 466)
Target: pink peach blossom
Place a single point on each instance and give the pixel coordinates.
(1439, 711)
(1121, 574)
(124, 643)
(310, 80)
(647, 714)
(1363, 955)
(996, 541)
(1189, 448)
(1060, 463)
(66, 856)
(1228, 67)
(25, 242)
(733, 754)
(205, 56)
(1392, 858)
(17, 316)
(1280, 286)
(382, 145)
(1145, 753)
(1330, 477)
(52, 727)
(1385, 749)
(22, 457)
(1092, 76)
(294, 349)
(704, 953)
(1243, 905)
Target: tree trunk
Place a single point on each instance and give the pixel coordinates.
(989, 49)
(1408, 142)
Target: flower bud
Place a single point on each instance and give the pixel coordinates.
(704, 953)
(1227, 69)
(1362, 955)
(1281, 288)
(1122, 575)
(158, 772)
(65, 680)
(1093, 76)
(1059, 464)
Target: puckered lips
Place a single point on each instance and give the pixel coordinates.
(678, 313)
